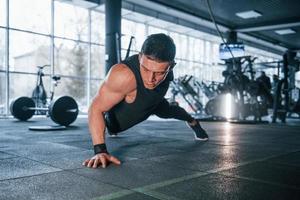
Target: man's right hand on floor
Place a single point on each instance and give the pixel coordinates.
(102, 159)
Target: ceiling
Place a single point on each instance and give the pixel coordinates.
(274, 12)
(276, 15)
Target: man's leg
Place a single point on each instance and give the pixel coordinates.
(165, 110)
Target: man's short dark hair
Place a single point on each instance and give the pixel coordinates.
(160, 47)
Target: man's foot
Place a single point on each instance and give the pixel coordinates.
(200, 133)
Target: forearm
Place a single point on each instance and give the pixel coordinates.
(96, 126)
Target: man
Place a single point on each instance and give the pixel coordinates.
(264, 80)
(132, 91)
(265, 89)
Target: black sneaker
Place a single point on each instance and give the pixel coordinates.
(200, 133)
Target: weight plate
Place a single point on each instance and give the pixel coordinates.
(46, 128)
(19, 108)
(63, 110)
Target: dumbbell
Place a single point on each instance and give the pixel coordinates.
(63, 110)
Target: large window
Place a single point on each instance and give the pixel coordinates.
(97, 52)
(135, 29)
(71, 21)
(98, 27)
(97, 62)
(31, 15)
(2, 12)
(2, 48)
(27, 51)
(30, 45)
(153, 29)
(71, 62)
(70, 58)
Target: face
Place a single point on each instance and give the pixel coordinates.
(152, 71)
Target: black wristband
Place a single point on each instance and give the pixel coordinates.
(100, 148)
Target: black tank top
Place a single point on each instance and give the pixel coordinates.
(125, 115)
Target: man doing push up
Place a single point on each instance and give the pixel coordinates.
(132, 91)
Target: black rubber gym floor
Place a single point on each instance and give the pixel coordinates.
(160, 159)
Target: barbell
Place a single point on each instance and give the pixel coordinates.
(63, 110)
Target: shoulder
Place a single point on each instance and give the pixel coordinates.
(120, 78)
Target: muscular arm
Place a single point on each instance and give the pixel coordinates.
(118, 83)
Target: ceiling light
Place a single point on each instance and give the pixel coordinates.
(248, 14)
(285, 31)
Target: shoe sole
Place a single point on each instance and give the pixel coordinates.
(196, 138)
(201, 139)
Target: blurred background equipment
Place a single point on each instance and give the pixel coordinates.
(63, 110)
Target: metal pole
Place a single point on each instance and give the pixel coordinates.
(6, 60)
(89, 60)
(112, 29)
